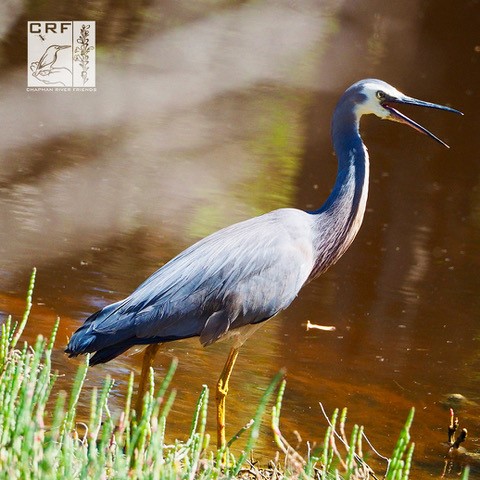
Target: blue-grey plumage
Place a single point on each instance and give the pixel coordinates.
(248, 272)
(243, 274)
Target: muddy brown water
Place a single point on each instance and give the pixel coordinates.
(208, 114)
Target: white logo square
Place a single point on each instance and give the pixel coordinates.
(61, 54)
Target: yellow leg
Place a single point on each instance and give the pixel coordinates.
(222, 390)
(148, 358)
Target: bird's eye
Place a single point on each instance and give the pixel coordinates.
(381, 95)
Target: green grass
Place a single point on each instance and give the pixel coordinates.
(40, 437)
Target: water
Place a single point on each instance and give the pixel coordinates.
(206, 115)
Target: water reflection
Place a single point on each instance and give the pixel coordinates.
(204, 116)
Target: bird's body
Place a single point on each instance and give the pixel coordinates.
(246, 273)
(240, 275)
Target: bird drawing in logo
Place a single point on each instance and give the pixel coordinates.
(45, 70)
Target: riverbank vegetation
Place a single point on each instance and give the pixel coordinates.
(42, 438)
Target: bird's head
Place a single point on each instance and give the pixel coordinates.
(380, 98)
(58, 47)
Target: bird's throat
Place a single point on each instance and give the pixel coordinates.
(339, 220)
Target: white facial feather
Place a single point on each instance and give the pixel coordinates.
(372, 103)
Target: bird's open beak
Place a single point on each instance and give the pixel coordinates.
(397, 116)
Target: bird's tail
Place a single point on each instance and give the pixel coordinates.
(88, 340)
(109, 353)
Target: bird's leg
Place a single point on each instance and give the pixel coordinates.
(148, 358)
(222, 390)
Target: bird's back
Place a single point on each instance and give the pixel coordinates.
(240, 275)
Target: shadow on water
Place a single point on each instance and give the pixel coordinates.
(208, 114)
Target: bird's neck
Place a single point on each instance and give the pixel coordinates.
(337, 222)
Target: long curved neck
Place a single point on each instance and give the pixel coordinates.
(338, 220)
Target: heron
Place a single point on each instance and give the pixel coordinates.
(228, 283)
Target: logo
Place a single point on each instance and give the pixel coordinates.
(61, 56)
